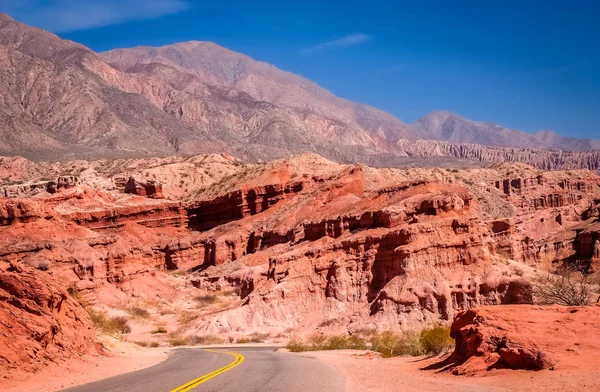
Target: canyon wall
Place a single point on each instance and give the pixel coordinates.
(353, 247)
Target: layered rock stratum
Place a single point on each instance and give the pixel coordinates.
(302, 243)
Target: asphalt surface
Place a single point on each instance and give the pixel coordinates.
(262, 370)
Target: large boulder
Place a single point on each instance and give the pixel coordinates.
(525, 337)
(39, 322)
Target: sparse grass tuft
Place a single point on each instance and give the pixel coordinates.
(322, 342)
(206, 299)
(110, 325)
(147, 344)
(178, 340)
(159, 329)
(186, 317)
(138, 312)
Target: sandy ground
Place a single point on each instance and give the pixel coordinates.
(366, 372)
(123, 358)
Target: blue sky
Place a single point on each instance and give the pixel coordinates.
(527, 65)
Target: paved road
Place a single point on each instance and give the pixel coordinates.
(262, 369)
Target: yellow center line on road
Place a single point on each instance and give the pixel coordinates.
(239, 358)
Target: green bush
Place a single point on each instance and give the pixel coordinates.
(391, 344)
(322, 342)
(436, 339)
(296, 346)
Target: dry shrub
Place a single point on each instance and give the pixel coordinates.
(205, 340)
(259, 337)
(159, 329)
(147, 344)
(178, 340)
(297, 346)
(206, 299)
(322, 342)
(138, 312)
(568, 288)
(243, 340)
(109, 325)
(186, 317)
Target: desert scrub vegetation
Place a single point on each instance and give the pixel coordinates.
(186, 317)
(568, 287)
(206, 299)
(194, 340)
(137, 312)
(436, 339)
(147, 344)
(160, 329)
(391, 344)
(256, 337)
(117, 325)
(429, 341)
(322, 342)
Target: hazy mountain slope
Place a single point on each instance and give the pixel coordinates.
(68, 101)
(53, 105)
(549, 139)
(58, 99)
(217, 65)
(542, 159)
(447, 126)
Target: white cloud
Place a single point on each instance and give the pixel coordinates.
(349, 40)
(72, 15)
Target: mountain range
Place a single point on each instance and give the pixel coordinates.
(59, 99)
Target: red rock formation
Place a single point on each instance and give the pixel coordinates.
(525, 337)
(151, 188)
(306, 243)
(40, 323)
(205, 215)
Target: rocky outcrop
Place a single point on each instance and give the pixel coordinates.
(12, 211)
(150, 188)
(39, 322)
(525, 337)
(313, 243)
(541, 159)
(167, 214)
(206, 215)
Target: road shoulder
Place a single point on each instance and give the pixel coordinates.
(122, 358)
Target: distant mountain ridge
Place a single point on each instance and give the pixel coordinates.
(447, 126)
(60, 100)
